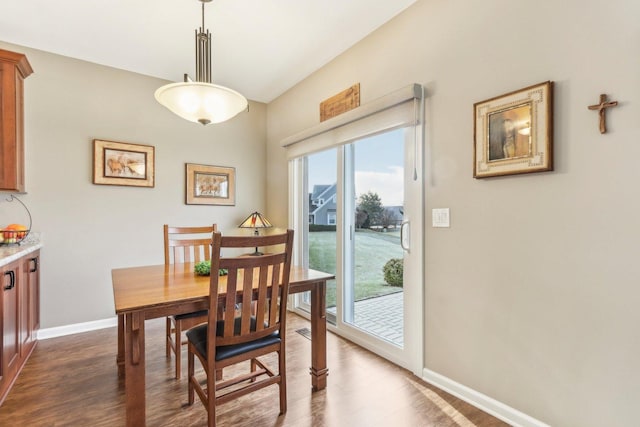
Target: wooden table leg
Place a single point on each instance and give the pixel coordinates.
(120, 355)
(134, 384)
(318, 368)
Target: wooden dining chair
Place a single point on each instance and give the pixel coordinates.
(184, 244)
(238, 335)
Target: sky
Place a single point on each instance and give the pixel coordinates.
(379, 167)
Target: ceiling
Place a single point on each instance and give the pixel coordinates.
(261, 48)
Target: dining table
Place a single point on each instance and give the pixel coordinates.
(155, 291)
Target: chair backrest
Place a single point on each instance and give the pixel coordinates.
(263, 280)
(187, 244)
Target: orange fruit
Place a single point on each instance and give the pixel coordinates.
(17, 227)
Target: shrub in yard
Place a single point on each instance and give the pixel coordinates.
(320, 227)
(393, 270)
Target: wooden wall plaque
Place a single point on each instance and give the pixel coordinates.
(344, 101)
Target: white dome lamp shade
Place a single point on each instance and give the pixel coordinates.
(201, 101)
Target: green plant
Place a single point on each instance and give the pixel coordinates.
(203, 268)
(393, 271)
(371, 204)
(321, 227)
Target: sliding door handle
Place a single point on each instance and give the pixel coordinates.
(405, 242)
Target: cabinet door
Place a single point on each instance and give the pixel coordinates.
(11, 275)
(14, 68)
(30, 302)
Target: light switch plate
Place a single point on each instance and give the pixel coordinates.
(440, 217)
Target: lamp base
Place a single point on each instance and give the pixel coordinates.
(256, 253)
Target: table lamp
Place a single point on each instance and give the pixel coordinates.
(255, 220)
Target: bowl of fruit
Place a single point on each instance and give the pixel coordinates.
(13, 234)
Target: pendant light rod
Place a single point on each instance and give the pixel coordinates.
(203, 51)
(203, 2)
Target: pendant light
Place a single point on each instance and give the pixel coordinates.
(201, 101)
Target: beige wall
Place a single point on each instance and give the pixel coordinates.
(89, 229)
(531, 296)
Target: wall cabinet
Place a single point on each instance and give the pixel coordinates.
(14, 68)
(19, 316)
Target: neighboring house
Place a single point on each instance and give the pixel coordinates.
(322, 205)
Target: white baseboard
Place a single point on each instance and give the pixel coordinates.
(76, 328)
(487, 404)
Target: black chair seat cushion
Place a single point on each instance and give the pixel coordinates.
(198, 337)
(190, 315)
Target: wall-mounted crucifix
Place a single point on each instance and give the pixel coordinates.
(601, 110)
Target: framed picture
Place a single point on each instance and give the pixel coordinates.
(513, 133)
(210, 185)
(119, 163)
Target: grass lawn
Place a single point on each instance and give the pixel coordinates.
(373, 250)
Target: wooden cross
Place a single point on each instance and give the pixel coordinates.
(601, 109)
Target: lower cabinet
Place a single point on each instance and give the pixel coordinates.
(11, 275)
(20, 316)
(30, 303)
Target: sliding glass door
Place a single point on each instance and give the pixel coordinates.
(373, 214)
(321, 230)
(361, 199)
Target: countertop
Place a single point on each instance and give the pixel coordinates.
(10, 253)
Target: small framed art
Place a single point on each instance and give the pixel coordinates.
(513, 133)
(210, 185)
(120, 163)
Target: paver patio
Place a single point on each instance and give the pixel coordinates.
(381, 316)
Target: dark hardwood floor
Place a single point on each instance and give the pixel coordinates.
(72, 381)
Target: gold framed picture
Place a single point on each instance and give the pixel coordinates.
(513, 133)
(120, 163)
(210, 185)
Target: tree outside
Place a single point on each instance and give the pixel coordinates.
(361, 217)
(370, 204)
(387, 219)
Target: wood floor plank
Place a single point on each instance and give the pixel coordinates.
(72, 381)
